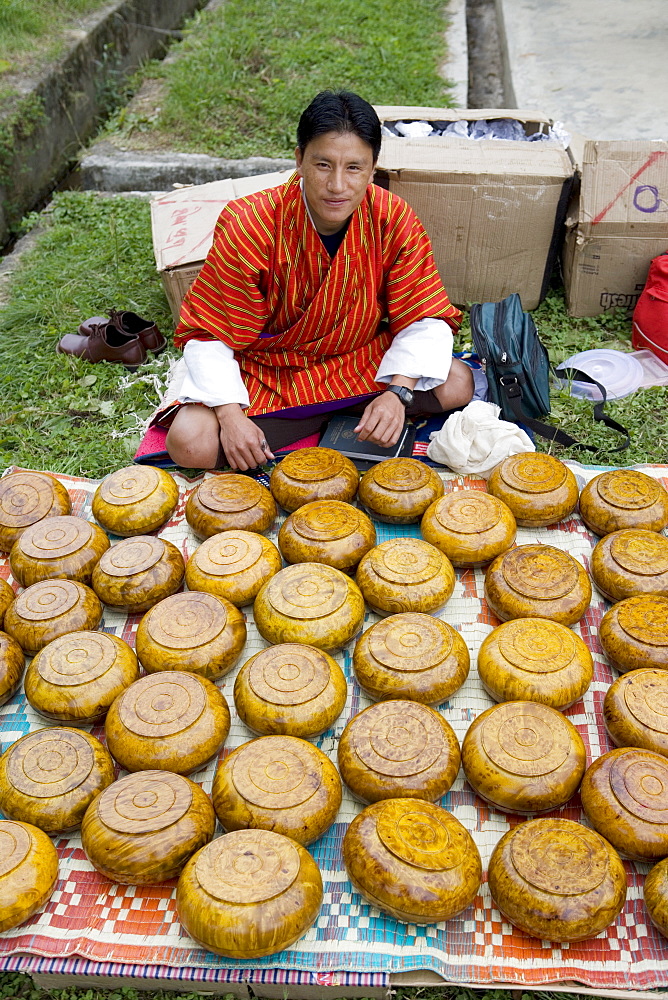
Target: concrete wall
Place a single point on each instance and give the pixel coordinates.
(61, 109)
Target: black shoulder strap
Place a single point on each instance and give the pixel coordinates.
(511, 396)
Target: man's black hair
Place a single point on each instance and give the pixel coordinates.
(339, 111)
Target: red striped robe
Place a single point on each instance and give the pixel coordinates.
(330, 321)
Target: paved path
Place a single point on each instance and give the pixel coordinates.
(599, 66)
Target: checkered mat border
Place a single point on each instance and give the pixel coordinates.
(90, 918)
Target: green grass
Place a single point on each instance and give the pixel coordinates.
(29, 29)
(238, 82)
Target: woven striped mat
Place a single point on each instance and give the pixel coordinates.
(93, 919)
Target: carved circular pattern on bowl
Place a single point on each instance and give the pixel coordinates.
(627, 489)
(325, 521)
(289, 674)
(158, 706)
(539, 647)
(645, 619)
(414, 833)
(25, 497)
(540, 571)
(48, 599)
(145, 802)
(76, 658)
(247, 866)
(534, 473)
(410, 642)
(132, 555)
(312, 465)
(524, 740)
(186, 621)
(15, 842)
(56, 537)
(644, 553)
(399, 476)
(130, 485)
(307, 591)
(405, 560)
(398, 741)
(559, 859)
(276, 773)
(646, 697)
(229, 494)
(229, 553)
(640, 783)
(468, 512)
(49, 763)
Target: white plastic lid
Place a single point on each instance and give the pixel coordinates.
(620, 373)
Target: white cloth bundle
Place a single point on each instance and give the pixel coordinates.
(474, 440)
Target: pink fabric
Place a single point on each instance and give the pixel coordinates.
(153, 444)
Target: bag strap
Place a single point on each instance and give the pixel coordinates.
(510, 391)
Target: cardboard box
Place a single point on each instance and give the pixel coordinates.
(183, 222)
(617, 222)
(494, 209)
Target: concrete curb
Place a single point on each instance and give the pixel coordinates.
(456, 65)
(59, 110)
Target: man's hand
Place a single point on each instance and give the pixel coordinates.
(242, 441)
(382, 420)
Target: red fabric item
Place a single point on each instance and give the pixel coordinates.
(650, 316)
(330, 321)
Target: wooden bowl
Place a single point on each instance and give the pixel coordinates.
(523, 757)
(534, 659)
(12, 662)
(655, 893)
(629, 563)
(143, 828)
(624, 498)
(7, 595)
(51, 776)
(50, 609)
(538, 488)
(634, 633)
(625, 796)
(405, 574)
(411, 656)
(230, 502)
(412, 860)
(310, 603)
(170, 721)
(557, 880)
(396, 750)
(278, 783)
(77, 676)
(313, 474)
(233, 565)
(470, 527)
(635, 710)
(25, 499)
(135, 500)
(200, 633)
(538, 581)
(290, 690)
(327, 531)
(58, 548)
(399, 490)
(28, 872)
(248, 894)
(138, 572)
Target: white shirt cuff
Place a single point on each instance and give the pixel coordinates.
(424, 346)
(212, 375)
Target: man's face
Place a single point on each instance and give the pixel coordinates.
(336, 167)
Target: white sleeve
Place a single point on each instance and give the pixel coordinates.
(424, 346)
(212, 375)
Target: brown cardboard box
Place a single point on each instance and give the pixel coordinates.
(617, 223)
(183, 222)
(494, 209)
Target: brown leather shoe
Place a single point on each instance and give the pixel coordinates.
(129, 323)
(105, 343)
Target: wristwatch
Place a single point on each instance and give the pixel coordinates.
(404, 394)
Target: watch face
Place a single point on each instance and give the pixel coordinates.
(404, 394)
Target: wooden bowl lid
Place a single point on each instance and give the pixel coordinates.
(162, 704)
(635, 710)
(289, 674)
(49, 609)
(12, 662)
(307, 591)
(639, 783)
(27, 497)
(396, 738)
(77, 658)
(230, 553)
(533, 473)
(145, 802)
(28, 871)
(410, 642)
(58, 537)
(406, 561)
(52, 762)
(49, 599)
(469, 512)
(7, 595)
(640, 552)
(230, 493)
(627, 489)
(132, 556)
(536, 645)
(277, 772)
(645, 619)
(540, 572)
(135, 484)
(422, 835)
(248, 866)
(655, 895)
(15, 844)
(186, 621)
(326, 521)
(400, 475)
(313, 465)
(559, 856)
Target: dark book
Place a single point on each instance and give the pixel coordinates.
(340, 435)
